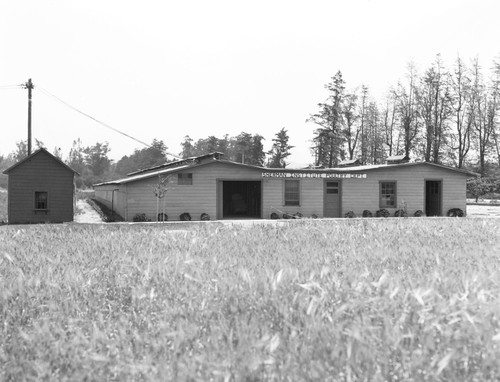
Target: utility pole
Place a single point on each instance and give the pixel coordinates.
(29, 85)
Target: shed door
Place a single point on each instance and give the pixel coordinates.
(332, 199)
(433, 197)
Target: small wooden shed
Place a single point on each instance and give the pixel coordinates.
(41, 190)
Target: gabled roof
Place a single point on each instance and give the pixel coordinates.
(371, 167)
(164, 171)
(37, 152)
(150, 174)
(190, 160)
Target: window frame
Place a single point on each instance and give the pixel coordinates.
(291, 202)
(186, 177)
(383, 199)
(35, 204)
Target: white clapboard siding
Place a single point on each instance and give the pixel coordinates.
(198, 198)
(363, 194)
(357, 194)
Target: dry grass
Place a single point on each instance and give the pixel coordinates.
(353, 300)
(3, 206)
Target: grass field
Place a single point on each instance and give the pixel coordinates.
(3, 206)
(350, 300)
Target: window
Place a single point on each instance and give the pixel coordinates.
(292, 192)
(41, 200)
(388, 195)
(332, 187)
(185, 179)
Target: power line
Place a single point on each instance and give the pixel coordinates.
(46, 92)
(9, 87)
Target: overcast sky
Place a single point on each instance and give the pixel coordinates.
(166, 69)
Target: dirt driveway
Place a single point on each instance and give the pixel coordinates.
(86, 214)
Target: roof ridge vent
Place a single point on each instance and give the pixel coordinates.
(397, 159)
(349, 163)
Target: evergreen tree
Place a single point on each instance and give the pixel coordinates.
(328, 140)
(187, 147)
(280, 150)
(96, 158)
(257, 155)
(22, 149)
(242, 146)
(142, 159)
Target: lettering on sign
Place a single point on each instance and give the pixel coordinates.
(312, 175)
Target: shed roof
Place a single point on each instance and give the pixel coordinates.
(151, 174)
(405, 164)
(190, 160)
(37, 152)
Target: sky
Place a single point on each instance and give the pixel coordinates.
(161, 69)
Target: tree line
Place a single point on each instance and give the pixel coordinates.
(443, 115)
(94, 165)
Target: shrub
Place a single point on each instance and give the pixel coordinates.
(478, 187)
(162, 217)
(274, 215)
(297, 215)
(367, 214)
(401, 213)
(204, 216)
(140, 217)
(382, 213)
(314, 216)
(350, 214)
(185, 216)
(287, 216)
(456, 212)
(418, 213)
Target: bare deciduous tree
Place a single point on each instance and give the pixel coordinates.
(487, 108)
(391, 134)
(352, 130)
(408, 109)
(463, 105)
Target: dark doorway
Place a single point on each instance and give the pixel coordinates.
(433, 197)
(241, 199)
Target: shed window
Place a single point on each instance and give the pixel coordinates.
(388, 195)
(185, 179)
(292, 192)
(41, 200)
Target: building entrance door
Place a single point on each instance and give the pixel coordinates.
(332, 199)
(433, 189)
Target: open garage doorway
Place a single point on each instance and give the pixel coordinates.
(241, 199)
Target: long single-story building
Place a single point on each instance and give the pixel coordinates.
(228, 190)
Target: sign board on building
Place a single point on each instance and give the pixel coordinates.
(312, 175)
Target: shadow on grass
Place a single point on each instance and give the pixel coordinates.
(106, 214)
